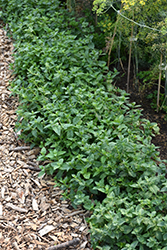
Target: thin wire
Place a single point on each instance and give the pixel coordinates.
(139, 24)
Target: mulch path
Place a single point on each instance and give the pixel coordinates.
(32, 214)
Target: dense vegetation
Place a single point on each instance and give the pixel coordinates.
(97, 145)
(135, 32)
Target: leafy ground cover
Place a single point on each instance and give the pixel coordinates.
(96, 143)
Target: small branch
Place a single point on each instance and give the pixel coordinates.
(159, 84)
(122, 65)
(2, 162)
(32, 163)
(16, 246)
(19, 209)
(28, 167)
(31, 168)
(129, 63)
(66, 244)
(111, 44)
(19, 148)
(112, 41)
(75, 213)
(42, 238)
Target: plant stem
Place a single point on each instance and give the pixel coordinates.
(112, 40)
(159, 84)
(137, 67)
(165, 80)
(130, 52)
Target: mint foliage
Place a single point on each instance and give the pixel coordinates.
(97, 145)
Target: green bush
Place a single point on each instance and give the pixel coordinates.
(98, 146)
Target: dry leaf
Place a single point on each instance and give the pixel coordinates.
(46, 230)
(83, 245)
(1, 210)
(3, 192)
(33, 226)
(34, 204)
(19, 209)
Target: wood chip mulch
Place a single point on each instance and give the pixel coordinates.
(32, 214)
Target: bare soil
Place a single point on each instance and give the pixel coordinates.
(148, 112)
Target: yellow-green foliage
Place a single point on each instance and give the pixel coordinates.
(127, 4)
(151, 5)
(142, 19)
(101, 5)
(106, 24)
(144, 12)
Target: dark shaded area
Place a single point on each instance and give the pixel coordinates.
(148, 112)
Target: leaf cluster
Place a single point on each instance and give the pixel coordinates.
(95, 143)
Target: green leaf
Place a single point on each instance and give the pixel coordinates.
(141, 247)
(88, 204)
(119, 119)
(141, 239)
(54, 165)
(76, 120)
(103, 159)
(43, 151)
(66, 125)
(41, 173)
(165, 236)
(57, 129)
(70, 134)
(65, 166)
(158, 235)
(154, 189)
(34, 133)
(126, 229)
(86, 175)
(134, 244)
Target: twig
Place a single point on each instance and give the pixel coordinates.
(17, 168)
(66, 244)
(122, 65)
(111, 45)
(19, 148)
(112, 41)
(19, 209)
(31, 168)
(28, 167)
(15, 245)
(129, 63)
(159, 84)
(75, 213)
(43, 238)
(32, 163)
(2, 162)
